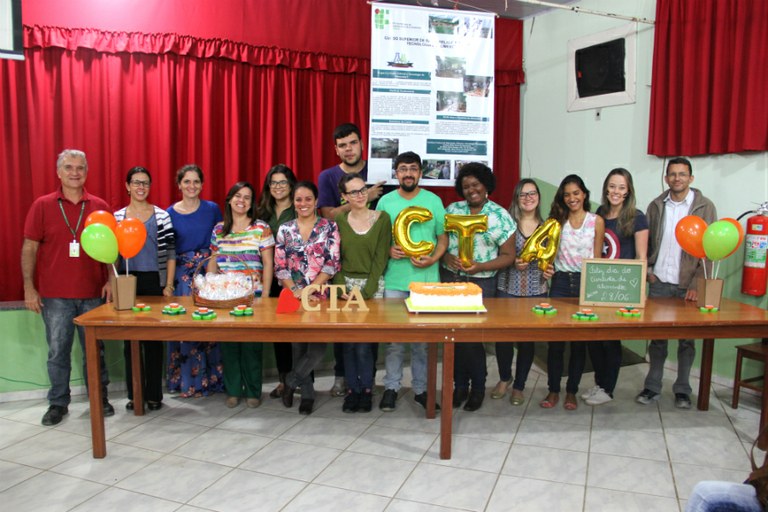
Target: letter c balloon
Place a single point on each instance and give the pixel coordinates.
(401, 231)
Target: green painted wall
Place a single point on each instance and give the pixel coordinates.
(25, 352)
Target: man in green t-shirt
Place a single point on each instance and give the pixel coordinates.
(402, 270)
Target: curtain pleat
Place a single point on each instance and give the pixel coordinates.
(710, 69)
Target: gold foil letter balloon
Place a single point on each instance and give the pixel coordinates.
(401, 231)
(534, 247)
(465, 226)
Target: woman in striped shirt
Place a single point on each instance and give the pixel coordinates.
(151, 266)
(242, 234)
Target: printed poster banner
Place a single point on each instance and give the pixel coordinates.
(431, 90)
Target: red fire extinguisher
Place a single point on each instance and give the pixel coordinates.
(755, 274)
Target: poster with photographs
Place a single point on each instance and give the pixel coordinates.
(431, 90)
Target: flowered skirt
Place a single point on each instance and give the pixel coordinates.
(194, 367)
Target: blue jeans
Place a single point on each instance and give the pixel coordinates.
(657, 350)
(58, 316)
(714, 496)
(565, 284)
(358, 365)
(395, 356)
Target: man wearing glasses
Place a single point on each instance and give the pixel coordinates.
(349, 149)
(402, 270)
(67, 283)
(673, 272)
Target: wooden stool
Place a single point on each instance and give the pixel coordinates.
(757, 352)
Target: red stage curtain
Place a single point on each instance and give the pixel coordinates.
(710, 69)
(162, 101)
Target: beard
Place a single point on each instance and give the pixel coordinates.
(352, 161)
(410, 187)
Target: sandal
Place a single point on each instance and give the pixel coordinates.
(550, 401)
(517, 397)
(501, 389)
(277, 392)
(570, 403)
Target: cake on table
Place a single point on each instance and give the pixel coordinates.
(445, 297)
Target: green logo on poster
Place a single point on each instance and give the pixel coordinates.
(381, 18)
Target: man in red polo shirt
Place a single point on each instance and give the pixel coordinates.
(60, 280)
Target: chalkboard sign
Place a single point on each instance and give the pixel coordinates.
(613, 283)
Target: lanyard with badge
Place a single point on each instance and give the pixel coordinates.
(74, 246)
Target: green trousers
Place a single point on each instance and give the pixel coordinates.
(242, 368)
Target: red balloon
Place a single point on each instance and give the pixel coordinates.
(741, 232)
(689, 233)
(131, 235)
(101, 217)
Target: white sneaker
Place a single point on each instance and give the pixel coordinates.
(590, 392)
(600, 397)
(339, 387)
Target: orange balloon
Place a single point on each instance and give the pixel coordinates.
(101, 217)
(689, 233)
(741, 233)
(131, 235)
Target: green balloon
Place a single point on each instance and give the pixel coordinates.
(720, 239)
(100, 243)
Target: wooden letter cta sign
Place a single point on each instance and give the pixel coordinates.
(354, 298)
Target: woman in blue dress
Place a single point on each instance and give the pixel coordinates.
(194, 368)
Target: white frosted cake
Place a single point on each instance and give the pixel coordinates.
(446, 296)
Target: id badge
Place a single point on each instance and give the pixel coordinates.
(74, 249)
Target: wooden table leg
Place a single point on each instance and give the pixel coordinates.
(705, 379)
(138, 389)
(446, 416)
(431, 379)
(93, 369)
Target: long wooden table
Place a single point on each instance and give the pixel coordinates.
(388, 320)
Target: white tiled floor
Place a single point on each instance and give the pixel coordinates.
(197, 455)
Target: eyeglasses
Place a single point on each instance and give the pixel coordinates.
(678, 176)
(358, 193)
(137, 183)
(528, 195)
(281, 183)
(408, 170)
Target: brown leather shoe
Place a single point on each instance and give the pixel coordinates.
(288, 396)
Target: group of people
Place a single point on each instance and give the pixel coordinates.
(296, 234)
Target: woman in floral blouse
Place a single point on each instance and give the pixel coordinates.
(493, 250)
(306, 253)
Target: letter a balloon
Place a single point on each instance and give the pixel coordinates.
(534, 247)
(131, 235)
